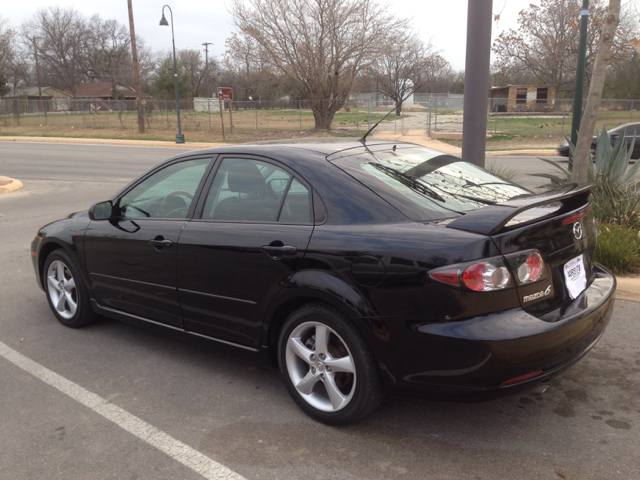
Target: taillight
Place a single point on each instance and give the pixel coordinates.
(492, 273)
(482, 276)
(531, 270)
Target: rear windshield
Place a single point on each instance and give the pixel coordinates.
(426, 184)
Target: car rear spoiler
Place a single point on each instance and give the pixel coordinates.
(492, 219)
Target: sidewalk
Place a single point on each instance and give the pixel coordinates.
(421, 138)
(413, 136)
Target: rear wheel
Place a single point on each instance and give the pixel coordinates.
(327, 366)
(67, 295)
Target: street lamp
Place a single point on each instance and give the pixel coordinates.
(164, 23)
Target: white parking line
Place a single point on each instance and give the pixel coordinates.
(177, 450)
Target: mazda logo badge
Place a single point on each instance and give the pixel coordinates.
(577, 230)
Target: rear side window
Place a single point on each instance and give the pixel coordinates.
(296, 207)
(247, 190)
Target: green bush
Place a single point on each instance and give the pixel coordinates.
(506, 172)
(618, 248)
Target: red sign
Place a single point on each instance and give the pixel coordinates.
(225, 93)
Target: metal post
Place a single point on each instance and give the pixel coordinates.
(564, 113)
(495, 120)
(436, 125)
(163, 22)
(476, 84)
(256, 105)
(429, 120)
(357, 118)
(206, 67)
(136, 70)
(209, 109)
(631, 112)
(368, 114)
(35, 52)
(300, 115)
(230, 115)
(582, 53)
(221, 116)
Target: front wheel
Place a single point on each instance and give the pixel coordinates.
(66, 292)
(327, 366)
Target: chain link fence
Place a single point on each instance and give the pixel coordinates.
(440, 113)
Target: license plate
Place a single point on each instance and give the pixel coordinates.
(575, 276)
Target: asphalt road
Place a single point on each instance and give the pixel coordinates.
(231, 409)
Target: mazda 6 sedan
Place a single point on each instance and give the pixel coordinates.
(354, 266)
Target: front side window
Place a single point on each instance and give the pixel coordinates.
(167, 193)
(256, 191)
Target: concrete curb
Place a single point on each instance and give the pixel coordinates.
(9, 184)
(628, 288)
(412, 136)
(551, 152)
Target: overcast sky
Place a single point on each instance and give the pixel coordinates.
(197, 21)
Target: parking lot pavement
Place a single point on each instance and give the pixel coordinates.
(224, 405)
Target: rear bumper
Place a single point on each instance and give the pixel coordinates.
(492, 352)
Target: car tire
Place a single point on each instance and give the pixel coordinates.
(335, 382)
(66, 292)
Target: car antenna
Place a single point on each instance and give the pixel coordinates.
(364, 137)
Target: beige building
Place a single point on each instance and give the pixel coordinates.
(52, 99)
(523, 98)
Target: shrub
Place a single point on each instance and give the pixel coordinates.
(506, 172)
(618, 248)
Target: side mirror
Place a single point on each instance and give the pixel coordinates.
(101, 210)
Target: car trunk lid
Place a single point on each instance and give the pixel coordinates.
(558, 224)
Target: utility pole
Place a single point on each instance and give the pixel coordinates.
(476, 81)
(136, 71)
(206, 67)
(582, 53)
(35, 52)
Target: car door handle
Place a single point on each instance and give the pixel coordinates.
(279, 250)
(160, 242)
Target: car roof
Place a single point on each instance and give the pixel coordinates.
(623, 126)
(281, 148)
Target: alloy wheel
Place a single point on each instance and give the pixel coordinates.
(61, 288)
(320, 366)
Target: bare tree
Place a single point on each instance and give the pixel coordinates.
(588, 121)
(319, 46)
(401, 65)
(7, 41)
(106, 52)
(250, 73)
(192, 63)
(545, 45)
(61, 35)
(15, 67)
(7, 55)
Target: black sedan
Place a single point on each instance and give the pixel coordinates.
(630, 131)
(353, 266)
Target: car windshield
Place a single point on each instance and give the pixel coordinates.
(426, 184)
